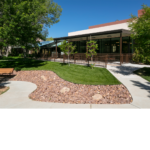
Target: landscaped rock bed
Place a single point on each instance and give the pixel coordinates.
(51, 88)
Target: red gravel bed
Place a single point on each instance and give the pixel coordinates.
(49, 86)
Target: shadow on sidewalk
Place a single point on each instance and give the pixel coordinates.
(5, 78)
(142, 86)
(124, 70)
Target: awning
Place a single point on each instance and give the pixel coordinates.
(123, 31)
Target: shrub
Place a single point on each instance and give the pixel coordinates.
(20, 55)
(92, 65)
(140, 57)
(17, 68)
(32, 55)
(147, 60)
(14, 52)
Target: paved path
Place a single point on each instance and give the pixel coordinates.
(137, 86)
(17, 95)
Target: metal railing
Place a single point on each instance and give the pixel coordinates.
(101, 59)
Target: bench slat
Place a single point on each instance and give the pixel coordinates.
(6, 70)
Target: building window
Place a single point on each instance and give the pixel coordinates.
(115, 45)
(82, 46)
(125, 45)
(105, 45)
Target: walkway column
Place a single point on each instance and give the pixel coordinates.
(121, 48)
(86, 47)
(56, 50)
(129, 45)
(132, 45)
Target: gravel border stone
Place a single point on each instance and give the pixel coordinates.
(52, 88)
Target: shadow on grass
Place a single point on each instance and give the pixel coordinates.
(63, 64)
(11, 58)
(22, 63)
(79, 74)
(143, 72)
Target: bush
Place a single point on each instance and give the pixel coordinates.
(147, 60)
(17, 68)
(14, 52)
(20, 55)
(31, 55)
(92, 65)
(140, 57)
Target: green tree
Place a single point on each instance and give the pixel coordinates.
(140, 33)
(49, 39)
(6, 25)
(68, 49)
(92, 47)
(24, 21)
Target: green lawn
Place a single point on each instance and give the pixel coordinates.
(74, 73)
(144, 73)
(10, 58)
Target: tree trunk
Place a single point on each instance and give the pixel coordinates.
(92, 58)
(68, 60)
(24, 53)
(7, 53)
(0, 52)
(92, 61)
(8, 50)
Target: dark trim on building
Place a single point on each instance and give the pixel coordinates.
(93, 34)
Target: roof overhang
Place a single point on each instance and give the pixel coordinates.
(94, 34)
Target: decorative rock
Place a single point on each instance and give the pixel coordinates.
(64, 90)
(49, 86)
(97, 97)
(44, 78)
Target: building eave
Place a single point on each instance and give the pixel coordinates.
(93, 34)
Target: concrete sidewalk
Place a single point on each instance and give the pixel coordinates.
(137, 86)
(17, 95)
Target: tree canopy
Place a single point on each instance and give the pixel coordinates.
(22, 22)
(91, 50)
(68, 48)
(140, 32)
(49, 39)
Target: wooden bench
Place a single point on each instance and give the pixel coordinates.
(6, 71)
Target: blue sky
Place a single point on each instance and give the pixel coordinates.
(80, 14)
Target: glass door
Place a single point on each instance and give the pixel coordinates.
(106, 45)
(115, 45)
